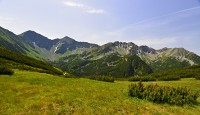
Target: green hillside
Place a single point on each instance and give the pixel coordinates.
(168, 63)
(12, 42)
(169, 75)
(113, 65)
(17, 61)
(187, 72)
(38, 93)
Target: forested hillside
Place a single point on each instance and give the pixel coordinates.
(17, 61)
(112, 65)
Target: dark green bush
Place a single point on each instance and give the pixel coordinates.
(155, 77)
(197, 76)
(163, 94)
(169, 78)
(102, 78)
(143, 78)
(187, 74)
(6, 71)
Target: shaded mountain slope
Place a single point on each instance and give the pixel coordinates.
(17, 61)
(13, 42)
(38, 39)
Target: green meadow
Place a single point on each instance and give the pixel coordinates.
(38, 93)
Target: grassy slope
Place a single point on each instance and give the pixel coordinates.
(38, 93)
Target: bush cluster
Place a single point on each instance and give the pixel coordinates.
(155, 77)
(143, 78)
(197, 77)
(169, 78)
(163, 94)
(102, 78)
(6, 71)
(191, 74)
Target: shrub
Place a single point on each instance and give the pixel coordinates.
(163, 94)
(102, 78)
(144, 78)
(6, 71)
(197, 76)
(155, 77)
(169, 78)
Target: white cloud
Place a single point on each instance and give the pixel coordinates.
(83, 7)
(95, 11)
(73, 4)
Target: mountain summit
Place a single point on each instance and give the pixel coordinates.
(58, 46)
(38, 39)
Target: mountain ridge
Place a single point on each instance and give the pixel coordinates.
(61, 51)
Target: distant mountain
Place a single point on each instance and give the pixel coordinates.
(16, 43)
(170, 58)
(163, 59)
(58, 46)
(82, 58)
(122, 49)
(38, 39)
(68, 44)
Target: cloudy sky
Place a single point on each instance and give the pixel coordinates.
(156, 23)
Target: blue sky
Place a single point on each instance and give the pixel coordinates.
(156, 23)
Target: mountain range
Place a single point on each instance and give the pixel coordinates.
(118, 59)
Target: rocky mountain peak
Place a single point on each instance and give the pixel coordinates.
(67, 40)
(33, 36)
(163, 49)
(124, 48)
(146, 49)
(37, 39)
(124, 44)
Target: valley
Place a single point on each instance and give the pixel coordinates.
(99, 57)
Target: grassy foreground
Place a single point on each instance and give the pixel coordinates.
(37, 93)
